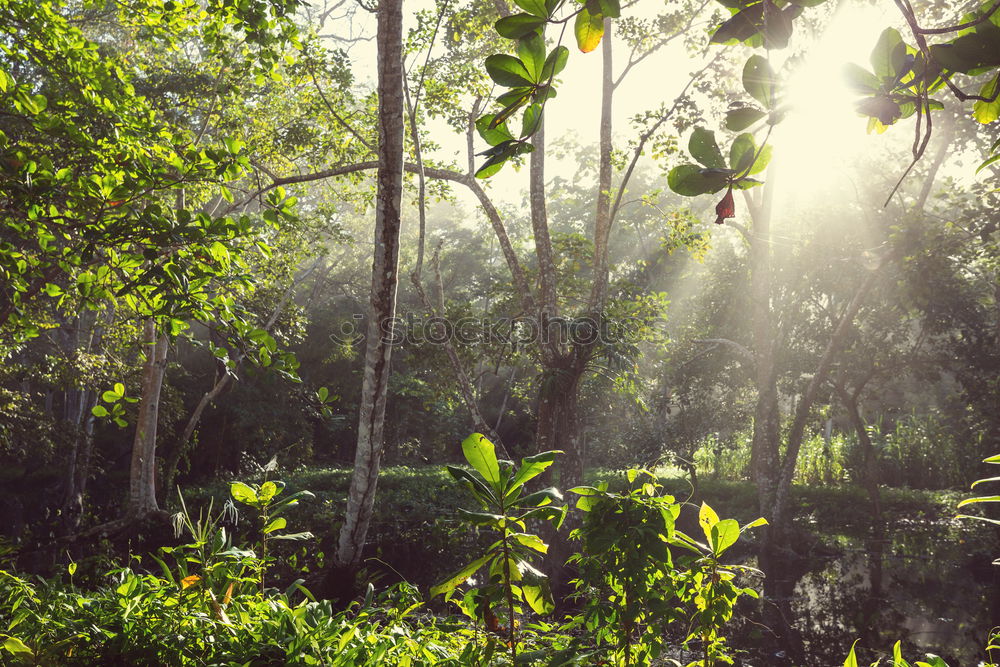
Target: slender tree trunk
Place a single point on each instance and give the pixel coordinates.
(764, 452)
(220, 383)
(361, 496)
(142, 473)
(78, 463)
(797, 431)
(180, 448)
(602, 218)
(547, 304)
(870, 474)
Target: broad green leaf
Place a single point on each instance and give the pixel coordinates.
(610, 8)
(267, 491)
(507, 567)
(743, 152)
(99, 411)
(706, 519)
(742, 118)
(294, 537)
(243, 493)
(860, 79)
(18, 648)
(723, 535)
(987, 112)
(535, 7)
(589, 29)
(507, 70)
(740, 27)
(897, 656)
(759, 81)
(493, 135)
(531, 51)
(888, 55)
(531, 120)
(481, 518)
(555, 63)
(539, 498)
(972, 51)
(936, 661)
(481, 455)
(748, 25)
(322, 393)
(518, 25)
(474, 484)
(705, 150)
(690, 180)
(531, 541)
(993, 459)
(276, 524)
(539, 598)
(533, 466)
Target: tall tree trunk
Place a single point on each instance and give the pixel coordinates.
(764, 451)
(361, 496)
(142, 473)
(602, 218)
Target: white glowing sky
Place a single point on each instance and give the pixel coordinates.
(821, 133)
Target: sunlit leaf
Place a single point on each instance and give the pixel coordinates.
(888, 55)
(481, 455)
(852, 659)
(532, 466)
(759, 81)
(588, 28)
(987, 112)
(18, 648)
(724, 534)
(243, 493)
(457, 579)
(276, 524)
(980, 499)
(706, 519)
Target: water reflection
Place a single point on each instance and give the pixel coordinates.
(920, 582)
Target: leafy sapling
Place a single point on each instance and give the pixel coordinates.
(263, 498)
(499, 487)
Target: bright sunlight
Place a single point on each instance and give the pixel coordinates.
(822, 129)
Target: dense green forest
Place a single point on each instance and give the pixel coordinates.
(503, 332)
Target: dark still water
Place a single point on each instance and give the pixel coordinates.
(928, 582)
